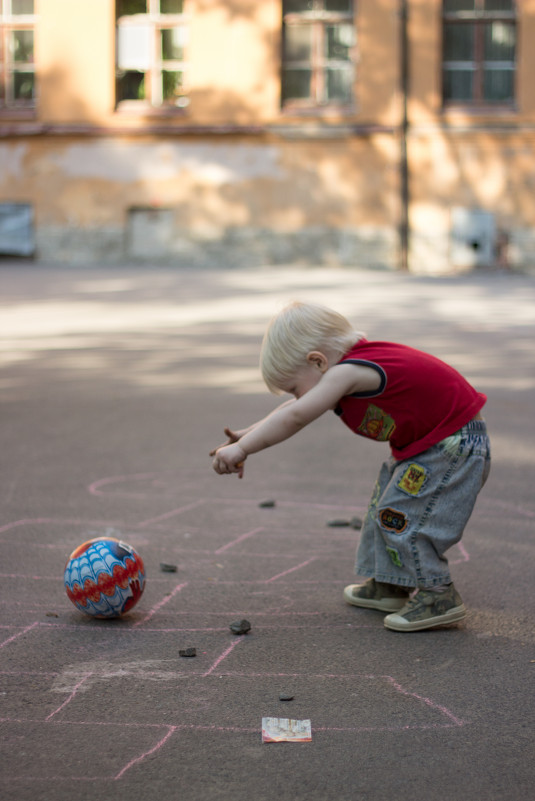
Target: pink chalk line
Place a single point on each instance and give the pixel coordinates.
(426, 701)
(239, 539)
(222, 657)
(291, 570)
(172, 513)
(56, 521)
(465, 556)
(94, 488)
(214, 728)
(20, 634)
(159, 744)
(160, 604)
(71, 696)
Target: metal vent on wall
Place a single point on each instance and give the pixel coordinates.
(473, 238)
(16, 229)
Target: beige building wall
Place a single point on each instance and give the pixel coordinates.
(232, 179)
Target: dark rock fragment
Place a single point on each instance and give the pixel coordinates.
(240, 627)
(188, 652)
(167, 568)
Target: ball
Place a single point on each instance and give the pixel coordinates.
(104, 577)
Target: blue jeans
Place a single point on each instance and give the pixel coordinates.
(420, 507)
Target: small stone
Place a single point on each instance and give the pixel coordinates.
(338, 523)
(167, 568)
(52, 614)
(267, 504)
(188, 652)
(286, 697)
(240, 627)
(355, 522)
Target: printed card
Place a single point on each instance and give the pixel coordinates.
(285, 730)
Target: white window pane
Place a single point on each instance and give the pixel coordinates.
(134, 47)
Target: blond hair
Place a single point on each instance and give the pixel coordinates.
(295, 331)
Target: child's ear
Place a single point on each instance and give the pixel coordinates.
(318, 359)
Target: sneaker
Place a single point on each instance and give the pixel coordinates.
(377, 595)
(428, 609)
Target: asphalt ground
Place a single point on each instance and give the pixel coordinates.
(115, 385)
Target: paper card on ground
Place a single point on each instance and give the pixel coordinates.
(286, 730)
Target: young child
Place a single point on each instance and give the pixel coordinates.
(426, 490)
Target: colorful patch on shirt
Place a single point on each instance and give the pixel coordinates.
(412, 479)
(377, 424)
(392, 520)
(394, 556)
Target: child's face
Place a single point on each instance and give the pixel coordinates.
(303, 380)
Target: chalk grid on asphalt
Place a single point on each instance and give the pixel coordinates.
(266, 580)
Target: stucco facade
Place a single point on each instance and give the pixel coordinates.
(232, 178)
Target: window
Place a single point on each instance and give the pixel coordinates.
(479, 44)
(318, 69)
(151, 41)
(17, 64)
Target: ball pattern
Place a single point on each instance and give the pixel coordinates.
(104, 577)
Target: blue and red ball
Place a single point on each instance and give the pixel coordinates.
(104, 577)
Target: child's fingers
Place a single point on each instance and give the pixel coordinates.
(232, 437)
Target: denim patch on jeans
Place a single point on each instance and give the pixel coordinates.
(420, 507)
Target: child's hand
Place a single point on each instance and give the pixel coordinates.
(229, 459)
(233, 436)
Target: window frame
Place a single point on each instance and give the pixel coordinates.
(9, 23)
(479, 18)
(154, 100)
(319, 19)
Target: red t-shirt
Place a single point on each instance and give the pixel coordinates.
(421, 399)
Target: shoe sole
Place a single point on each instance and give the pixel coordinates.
(398, 623)
(384, 605)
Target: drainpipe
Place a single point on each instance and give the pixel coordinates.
(404, 125)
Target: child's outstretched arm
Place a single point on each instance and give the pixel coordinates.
(294, 415)
(235, 436)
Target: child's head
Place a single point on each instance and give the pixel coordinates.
(294, 332)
